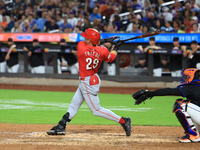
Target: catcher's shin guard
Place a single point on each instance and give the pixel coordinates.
(183, 117)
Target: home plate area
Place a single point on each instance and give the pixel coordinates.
(94, 137)
(111, 139)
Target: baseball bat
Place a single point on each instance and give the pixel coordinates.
(143, 35)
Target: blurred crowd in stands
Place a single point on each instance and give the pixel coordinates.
(74, 16)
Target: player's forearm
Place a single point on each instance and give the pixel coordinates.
(165, 92)
(11, 49)
(113, 55)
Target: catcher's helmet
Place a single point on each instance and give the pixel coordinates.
(190, 75)
(93, 35)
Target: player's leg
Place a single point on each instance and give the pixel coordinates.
(90, 88)
(157, 72)
(39, 69)
(3, 66)
(111, 68)
(59, 66)
(33, 70)
(74, 68)
(9, 69)
(182, 109)
(15, 68)
(173, 74)
(71, 112)
(178, 73)
(194, 112)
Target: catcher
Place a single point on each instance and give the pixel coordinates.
(187, 110)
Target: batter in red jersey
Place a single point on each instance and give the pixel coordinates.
(90, 56)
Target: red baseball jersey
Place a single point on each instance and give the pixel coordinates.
(91, 57)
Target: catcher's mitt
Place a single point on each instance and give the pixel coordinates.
(140, 96)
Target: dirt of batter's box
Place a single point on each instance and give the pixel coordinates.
(91, 137)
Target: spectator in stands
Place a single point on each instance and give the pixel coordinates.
(12, 58)
(41, 21)
(197, 3)
(193, 57)
(157, 61)
(20, 13)
(187, 16)
(195, 28)
(2, 29)
(176, 60)
(194, 19)
(167, 15)
(195, 12)
(182, 29)
(109, 28)
(91, 5)
(162, 29)
(176, 6)
(135, 5)
(151, 20)
(29, 30)
(72, 19)
(179, 16)
(25, 26)
(35, 52)
(158, 24)
(95, 14)
(116, 12)
(116, 23)
(103, 6)
(4, 22)
(77, 29)
(86, 24)
(10, 24)
(59, 19)
(169, 27)
(108, 11)
(132, 19)
(153, 10)
(142, 63)
(48, 22)
(176, 26)
(16, 28)
(193, 4)
(65, 25)
(81, 16)
(141, 3)
(98, 25)
(145, 29)
(21, 21)
(53, 25)
(32, 21)
(135, 28)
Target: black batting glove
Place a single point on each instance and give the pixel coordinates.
(109, 40)
(118, 44)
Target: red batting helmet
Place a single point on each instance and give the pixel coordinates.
(93, 35)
